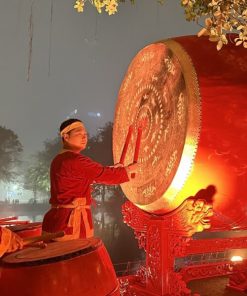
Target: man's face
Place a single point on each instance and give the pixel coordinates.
(76, 139)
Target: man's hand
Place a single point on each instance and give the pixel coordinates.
(16, 243)
(132, 169)
(117, 165)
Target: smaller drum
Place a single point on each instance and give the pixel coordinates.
(27, 230)
(71, 268)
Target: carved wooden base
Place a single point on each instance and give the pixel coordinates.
(170, 248)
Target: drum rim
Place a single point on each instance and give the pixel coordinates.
(55, 259)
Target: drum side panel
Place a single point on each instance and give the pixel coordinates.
(221, 159)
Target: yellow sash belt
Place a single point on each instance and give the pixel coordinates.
(78, 214)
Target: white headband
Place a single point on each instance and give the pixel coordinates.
(71, 127)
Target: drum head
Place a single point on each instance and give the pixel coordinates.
(55, 251)
(160, 88)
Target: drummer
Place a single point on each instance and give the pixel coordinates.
(9, 241)
(71, 174)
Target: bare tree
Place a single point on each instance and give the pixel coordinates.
(10, 149)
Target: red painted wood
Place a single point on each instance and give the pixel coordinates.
(87, 272)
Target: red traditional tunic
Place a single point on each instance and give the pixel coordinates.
(71, 175)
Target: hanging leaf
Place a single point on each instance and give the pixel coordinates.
(221, 17)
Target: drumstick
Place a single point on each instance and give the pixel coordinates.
(8, 219)
(138, 142)
(137, 148)
(126, 144)
(44, 237)
(142, 124)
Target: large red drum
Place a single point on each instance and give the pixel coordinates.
(71, 268)
(194, 102)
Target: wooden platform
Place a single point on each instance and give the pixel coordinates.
(213, 287)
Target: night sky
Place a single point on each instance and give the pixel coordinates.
(89, 54)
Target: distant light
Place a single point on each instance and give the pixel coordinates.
(94, 114)
(71, 114)
(14, 187)
(236, 259)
